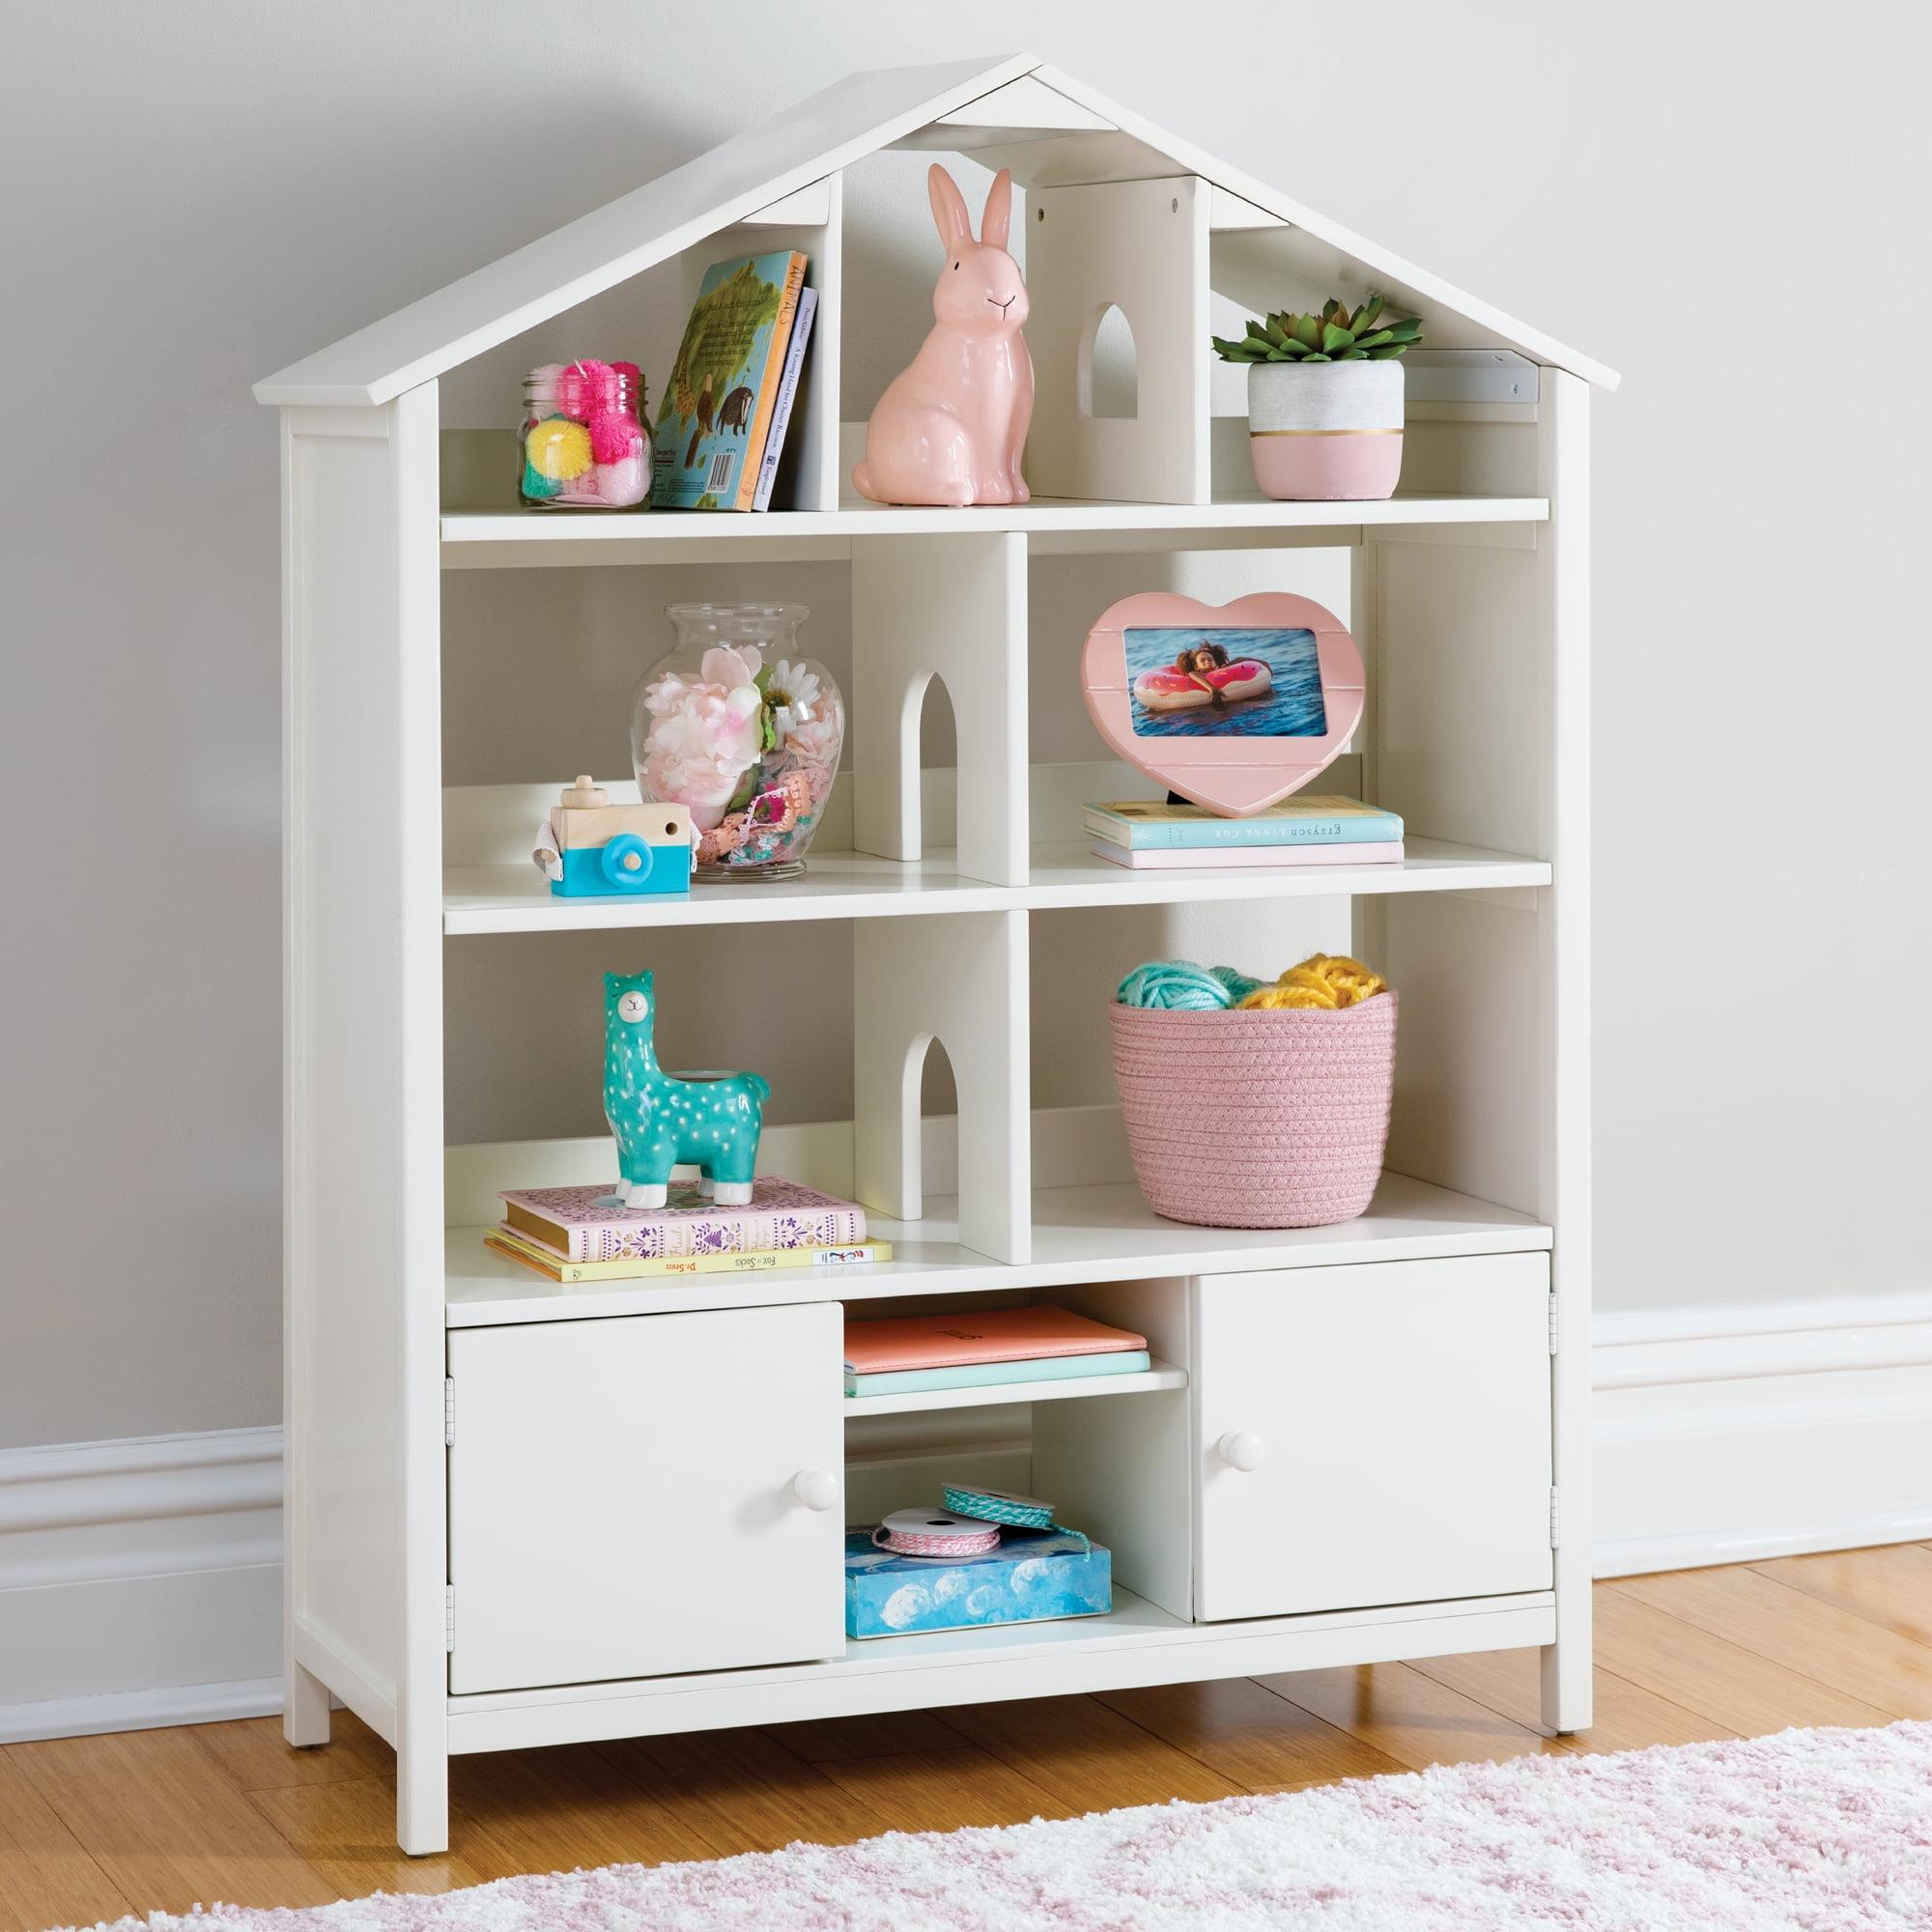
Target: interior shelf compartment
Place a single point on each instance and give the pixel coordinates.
(1158, 1375)
(856, 885)
(482, 539)
(1093, 1234)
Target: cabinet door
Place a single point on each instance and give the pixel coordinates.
(625, 1497)
(1370, 1435)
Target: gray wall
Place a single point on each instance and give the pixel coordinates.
(1724, 203)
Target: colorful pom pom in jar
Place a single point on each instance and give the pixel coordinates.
(586, 440)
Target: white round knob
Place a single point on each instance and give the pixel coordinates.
(1241, 1449)
(816, 1489)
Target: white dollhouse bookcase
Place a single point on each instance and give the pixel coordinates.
(1356, 1443)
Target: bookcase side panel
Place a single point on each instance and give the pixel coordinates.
(363, 1057)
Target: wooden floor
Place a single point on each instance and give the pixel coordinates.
(93, 1828)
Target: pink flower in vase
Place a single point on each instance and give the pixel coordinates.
(815, 737)
(705, 732)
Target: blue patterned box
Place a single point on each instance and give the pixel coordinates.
(1032, 1575)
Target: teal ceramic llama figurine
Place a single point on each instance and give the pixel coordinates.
(662, 1120)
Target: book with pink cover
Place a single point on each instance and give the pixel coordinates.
(891, 1344)
(1167, 858)
(579, 1225)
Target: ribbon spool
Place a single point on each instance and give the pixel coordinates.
(1002, 1506)
(937, 1532)
(998, 1506)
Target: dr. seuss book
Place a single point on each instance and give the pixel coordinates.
(582, 1223)
(724, 384)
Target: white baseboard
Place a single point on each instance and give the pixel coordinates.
(140, 1580)
(1728, 1435)
(140, 1583)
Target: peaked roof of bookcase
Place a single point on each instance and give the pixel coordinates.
(1094, 141)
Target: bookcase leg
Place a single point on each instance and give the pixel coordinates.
(953, 607)
(961, 980)
(422, 1793)
(304, 1708)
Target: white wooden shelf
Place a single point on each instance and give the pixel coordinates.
(1065, 1388)
(855, 885)
(1136, 1643)
(482, 539)
(1095, 1234)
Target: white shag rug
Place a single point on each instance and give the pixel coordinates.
(1806, 1832)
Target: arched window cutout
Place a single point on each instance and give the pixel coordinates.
(1108, 377)
(931, 1085)
(928, 743)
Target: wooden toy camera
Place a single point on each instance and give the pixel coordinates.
(591, 849)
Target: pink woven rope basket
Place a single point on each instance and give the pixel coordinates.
(1257, 1120)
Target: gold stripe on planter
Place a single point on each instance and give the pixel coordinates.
(1325, 432)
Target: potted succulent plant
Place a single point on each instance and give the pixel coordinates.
(1324, 400)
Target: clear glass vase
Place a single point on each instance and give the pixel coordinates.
(738, 724)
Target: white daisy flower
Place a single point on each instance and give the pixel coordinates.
(793, 691)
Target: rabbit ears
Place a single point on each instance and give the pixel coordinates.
(948, 209)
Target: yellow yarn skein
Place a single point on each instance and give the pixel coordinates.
(1321, 982)
(558, 448)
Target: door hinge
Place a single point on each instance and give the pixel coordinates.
(1555, 1517)
(448, 1412)
(449, 1617)
(1553, 1320)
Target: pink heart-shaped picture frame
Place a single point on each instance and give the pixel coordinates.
(1232, 705)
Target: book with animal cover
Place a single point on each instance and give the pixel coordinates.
(509, 1242)
(1322, 819)
(998, 1374)
(583, 1224)
(892, 1344)
(718, 405)
(794, 365)
(1178, 857)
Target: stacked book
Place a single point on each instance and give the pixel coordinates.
(728, 404)
(1298, 831)
(583, 1235)
(902, 1354)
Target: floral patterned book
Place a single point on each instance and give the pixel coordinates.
(580, 1224)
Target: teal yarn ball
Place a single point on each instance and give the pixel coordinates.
(1174, 985)
(537, 484)
(1237, 983)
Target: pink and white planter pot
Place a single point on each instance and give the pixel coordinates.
(1257, 1119)
(1325, 432)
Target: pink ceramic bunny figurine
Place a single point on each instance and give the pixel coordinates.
(951, 428)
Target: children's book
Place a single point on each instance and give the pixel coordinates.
(723, 387)
(794, 363)
(993, 1375)
(889, 1345)
(509, 1242)
(582, 1223)
(1298, 820)
(1174, 858)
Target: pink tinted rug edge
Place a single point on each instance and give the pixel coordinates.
(1809, 1828)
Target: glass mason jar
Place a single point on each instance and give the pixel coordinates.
(586, 444)
(736, 723)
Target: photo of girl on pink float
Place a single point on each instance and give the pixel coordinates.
(1237, 682)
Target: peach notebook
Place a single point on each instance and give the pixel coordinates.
(892, 1343)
